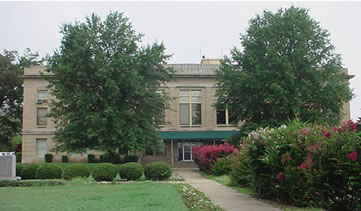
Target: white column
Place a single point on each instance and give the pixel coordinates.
(171, 152)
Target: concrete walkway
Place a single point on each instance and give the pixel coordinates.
(226, 197)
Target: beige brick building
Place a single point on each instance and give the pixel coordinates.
(190, 121)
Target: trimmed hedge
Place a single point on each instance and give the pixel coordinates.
(30, 183)
(105, 172)
(18, 157)
(19, 168)
(131, 158)
(157, 171)
(76, 170)
(29, 171)
(48, 158)
(131, 171)
(49, 171)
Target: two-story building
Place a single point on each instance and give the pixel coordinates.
(192, 120)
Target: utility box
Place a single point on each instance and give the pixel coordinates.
(7, 166)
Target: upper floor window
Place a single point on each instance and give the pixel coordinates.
(41, 117)
(190, 107)
(42, 94)
(223, 117)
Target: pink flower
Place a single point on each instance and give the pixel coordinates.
(352, 156)
(284, 160)
(313, 147)
(281, 176)
(342, 191)
(308, 162)
(326, 133)
(318, 193)
(304, 132)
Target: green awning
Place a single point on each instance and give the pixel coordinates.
(181, 135)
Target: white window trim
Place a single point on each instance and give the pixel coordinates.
(190, 103)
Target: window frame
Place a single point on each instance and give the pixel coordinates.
(37, 146)
(190, 104)
(38, 117)
(228, 123)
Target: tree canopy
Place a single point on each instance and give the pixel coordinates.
(11, 93)
(288, 69)
(105, 86)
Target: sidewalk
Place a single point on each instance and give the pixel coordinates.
(228, 198)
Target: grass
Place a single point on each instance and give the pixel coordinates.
(78, 196)
(225, 180)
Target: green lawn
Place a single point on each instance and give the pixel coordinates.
(78, 196)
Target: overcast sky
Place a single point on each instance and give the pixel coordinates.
(188, 29)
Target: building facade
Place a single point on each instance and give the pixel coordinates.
(191, 120)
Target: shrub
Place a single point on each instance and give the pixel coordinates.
(157, 171)
(76, 170)
(49, 171)
(110, 158)
(18, 157)
(91, 158)
(131, 171)
(29, 171)
(206, 156)
(48, 158)
(105, 172)
(19, 168)
(223, 165)
(131, 158)
(64, 159)
(304, 165)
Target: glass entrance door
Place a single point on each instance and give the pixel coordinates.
(185, 150)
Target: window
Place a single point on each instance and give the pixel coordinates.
(41, 147)
(42, 94)
(223, 117)
(157, 150)
(190, 107)
(162, 117)
(42, 116)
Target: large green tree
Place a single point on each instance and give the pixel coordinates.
(11, 93)
(287, 69)
(105, 86)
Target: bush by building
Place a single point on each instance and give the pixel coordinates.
(48, 158)
(157, 171)
(223, 166)
(76, 170)
(304, 165)
(19, 168)
(49, 171)
(206, 156)
(131, 171)
(18, 157)
(29, 171)
(131, 158)
(105, 172)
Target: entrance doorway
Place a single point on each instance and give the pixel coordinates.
(185, 150)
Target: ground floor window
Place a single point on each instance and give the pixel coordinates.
(157, 150)
(185, 150)
(41, 147)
